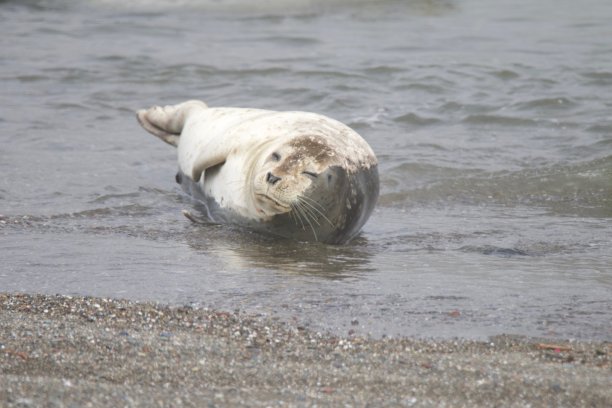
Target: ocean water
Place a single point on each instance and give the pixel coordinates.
(492, 122)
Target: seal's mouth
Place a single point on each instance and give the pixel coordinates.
(277, 204)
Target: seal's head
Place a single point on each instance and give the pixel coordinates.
(288, 170)
(306, 183)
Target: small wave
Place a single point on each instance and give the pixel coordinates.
(108, 197)
(416, 120)
(130, 210)
(560, 103)
(70, 106)
(451, 107)
(328, 74)
(495, 251)
(505, 74)
(208, 70)
(292, 41)
(446, 297)
(425, 170)
(383, 70)
(373, 119)
(31, 78)
(599, 78)
(423, 87)
(499, 120)
(605, 128)
(73, 75)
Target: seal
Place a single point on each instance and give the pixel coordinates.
(299, 175)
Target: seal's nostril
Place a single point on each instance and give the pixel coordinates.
(272, 179)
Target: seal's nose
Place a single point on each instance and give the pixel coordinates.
(272, 179)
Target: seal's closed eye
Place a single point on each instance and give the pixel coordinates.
(310, 174)
(275, 156)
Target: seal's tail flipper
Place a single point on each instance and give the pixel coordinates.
(167, 122)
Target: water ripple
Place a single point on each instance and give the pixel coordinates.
(558, 103)
(416, 120)
(500, 120)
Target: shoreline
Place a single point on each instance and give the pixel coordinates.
(73, 350)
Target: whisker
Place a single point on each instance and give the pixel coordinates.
(314, 232)
(293, 215)
(299, 216)
(302, 211)
(313, 205)
(309, 212)
(312, 202)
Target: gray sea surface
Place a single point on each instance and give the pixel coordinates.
(492, 122)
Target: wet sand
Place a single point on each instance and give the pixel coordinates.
(80, 351)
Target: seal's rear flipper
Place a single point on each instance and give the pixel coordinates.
(167, 122)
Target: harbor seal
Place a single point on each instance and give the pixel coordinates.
(296, 174)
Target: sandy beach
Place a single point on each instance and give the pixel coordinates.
(65, 351)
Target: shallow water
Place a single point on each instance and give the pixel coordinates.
(492, 124)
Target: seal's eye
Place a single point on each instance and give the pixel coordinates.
(310, 174)
(275, 156)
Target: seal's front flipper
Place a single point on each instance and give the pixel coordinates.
(167, 122)
(192, 217)
(199, 220)
(207, 160)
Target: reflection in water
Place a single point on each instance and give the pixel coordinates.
(242, 249)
